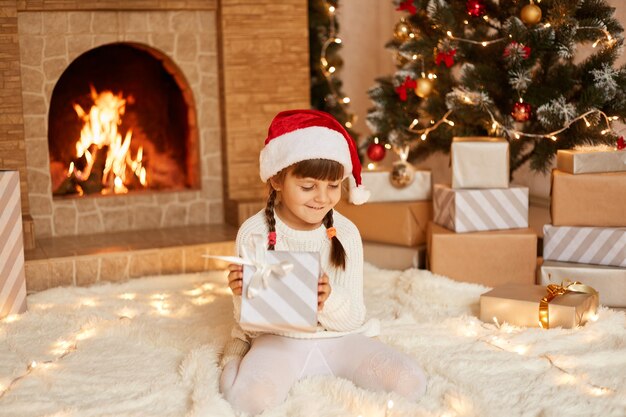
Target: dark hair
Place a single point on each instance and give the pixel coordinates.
(320, 169)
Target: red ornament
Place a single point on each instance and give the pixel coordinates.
(475, 8)
(521, 112)
(408, 6)
(621, 144)
(407, 84)
(446, 57)
(376, 152)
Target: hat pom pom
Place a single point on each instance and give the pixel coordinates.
(359, 195)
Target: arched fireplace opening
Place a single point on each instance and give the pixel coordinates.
(122, 119)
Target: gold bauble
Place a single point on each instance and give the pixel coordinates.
(401, 31)
(531, 14)
(424, 87)
(402, 174)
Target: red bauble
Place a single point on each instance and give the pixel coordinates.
(621, 144)
(376, 152)
(521, 112)
(475, 8)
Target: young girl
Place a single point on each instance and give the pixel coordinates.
(306, 156)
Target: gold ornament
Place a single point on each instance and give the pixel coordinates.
(401, 31)
(424, 87)
(402, 174)
(531, 14)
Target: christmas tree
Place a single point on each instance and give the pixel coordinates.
(326, 63)
(500, 68)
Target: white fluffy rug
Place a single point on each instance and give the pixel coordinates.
(149, 347)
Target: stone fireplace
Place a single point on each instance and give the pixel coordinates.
(65, 58)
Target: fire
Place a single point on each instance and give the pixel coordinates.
(100, 134)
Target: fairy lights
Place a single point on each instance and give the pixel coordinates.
(327, 69)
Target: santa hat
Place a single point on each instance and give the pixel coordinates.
(298, 135)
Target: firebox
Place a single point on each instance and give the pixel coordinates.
(122, 120)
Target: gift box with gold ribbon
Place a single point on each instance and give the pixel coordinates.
(566, 305)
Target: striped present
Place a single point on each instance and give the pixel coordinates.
(12, 277)
(480, 209)
(287, 303)
(586, 245)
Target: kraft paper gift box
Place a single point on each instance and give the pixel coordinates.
(588, 199)
(397, 223)
(285, 303)
(609, 281)
(487, 258)
(575, 161)
(480, 162)
(12, 276)
(519, 305)
(480, 210)
(587, 245)
(381, 189)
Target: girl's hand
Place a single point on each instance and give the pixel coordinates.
(323, 291)
(235, 278)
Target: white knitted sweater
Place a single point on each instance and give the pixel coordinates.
(344, 310)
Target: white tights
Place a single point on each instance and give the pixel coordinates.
(274, 363)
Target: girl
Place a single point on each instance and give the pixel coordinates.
(306, 156)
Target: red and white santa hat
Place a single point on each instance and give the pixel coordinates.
(298, 135)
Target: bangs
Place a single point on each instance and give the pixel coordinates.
(319, 169)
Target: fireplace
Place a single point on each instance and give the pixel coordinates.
(119, 123)
(159, 70)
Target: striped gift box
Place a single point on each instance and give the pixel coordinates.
(586, 245)
(480, 209)
(289, 303)
(12, 277)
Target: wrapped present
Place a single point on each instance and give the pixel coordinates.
(488, 258)
(480, 162)
(12, 276)
(385, 256)
(609, 281)
(377, 182)
(477, 210)
(588, 199)
(397, 223)
(590, 160)
(279, 290)
(568, 305)
(587, 245)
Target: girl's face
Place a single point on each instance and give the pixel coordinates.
(305, 201)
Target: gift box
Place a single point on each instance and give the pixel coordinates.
(519, 305)
(288, 300)
(477, 210)
(12, 276)
(480, 162)
(381, 189)
(609, 281)
(592, 160)
(396, 223)
(395, 257)
(588, 199)
(488, 258)
(587, 245)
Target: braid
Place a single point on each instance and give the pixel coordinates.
(337, 252)
(269, 214)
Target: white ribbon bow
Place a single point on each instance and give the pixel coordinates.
(263, 269)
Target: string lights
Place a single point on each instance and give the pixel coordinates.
(327, 69)
(495, 124)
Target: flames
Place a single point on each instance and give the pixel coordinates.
(100, 137)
